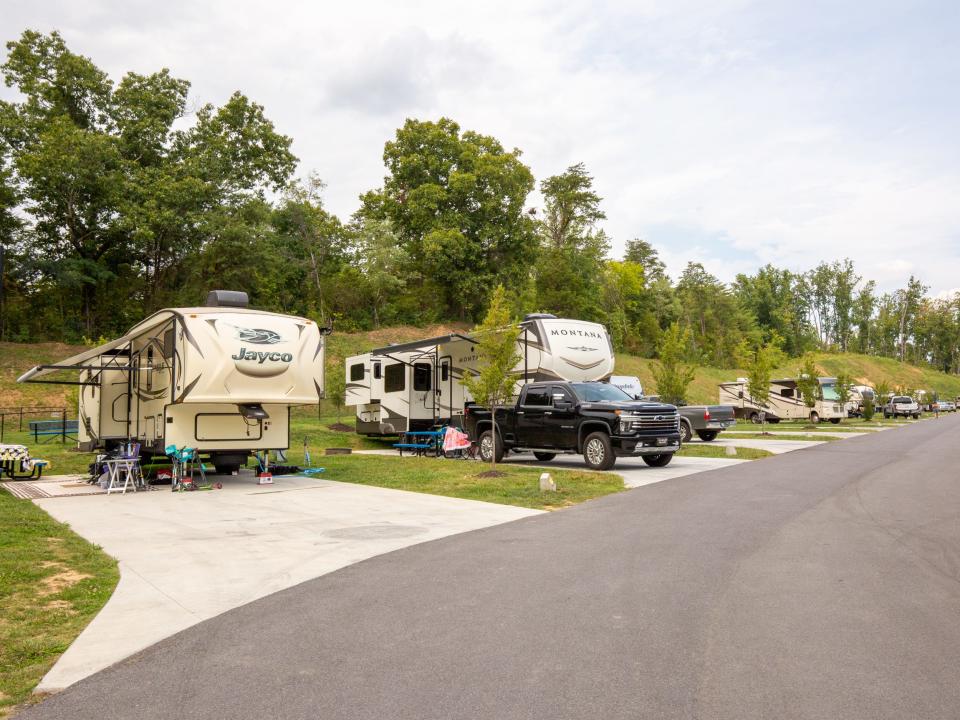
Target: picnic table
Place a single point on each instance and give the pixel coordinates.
(421, 442)
(15, 460)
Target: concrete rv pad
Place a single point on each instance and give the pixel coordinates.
(186, 557)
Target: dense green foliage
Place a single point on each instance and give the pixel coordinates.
(115, 200)
(674, 375)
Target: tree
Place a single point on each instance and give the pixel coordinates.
(807, 383)
(908, 303)
(572, 257)
(336, 385)
(571, 208)
(646, 255)
(456, 202)
(759, 363)
(716, 319)
(843, 392)
(883, 391)
(869, 408)
(497, 338)
(117, 200)
(673, 376)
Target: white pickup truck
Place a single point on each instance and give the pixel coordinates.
(901, 406)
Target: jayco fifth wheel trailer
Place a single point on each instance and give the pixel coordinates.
(415, 385)
(784, 401)
(219, 378)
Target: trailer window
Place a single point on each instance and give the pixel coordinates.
(421, 376)
(377, 373)
(356, 372)
(445, 371)
(168, 344)
(395, 376)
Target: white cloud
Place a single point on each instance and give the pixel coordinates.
(759, 128)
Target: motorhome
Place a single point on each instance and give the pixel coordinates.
(416, 385)
(784, 401)
(219, 378)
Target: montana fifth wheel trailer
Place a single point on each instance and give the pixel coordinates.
(219, 378)
(784, 401)
(415, 385)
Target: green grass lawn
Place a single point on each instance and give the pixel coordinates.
(461, 479)
(697, 449)
(52, 583)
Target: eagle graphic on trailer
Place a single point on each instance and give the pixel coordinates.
(220, 378)
(415, 385)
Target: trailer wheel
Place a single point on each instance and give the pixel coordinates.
(598, 452)
(755, 417)
(814, 418)
(707, 435)
(686, 434)
(544, 457)
(488, 449)
(835, 421)
(661, 460)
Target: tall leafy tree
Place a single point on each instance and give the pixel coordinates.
(456, 202)
(117, 200)
(573, 252)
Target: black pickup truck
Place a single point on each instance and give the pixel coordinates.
(596, 419)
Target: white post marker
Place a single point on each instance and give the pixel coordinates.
(546, 483)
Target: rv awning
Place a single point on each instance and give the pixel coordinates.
(79, 361)
(424, 344)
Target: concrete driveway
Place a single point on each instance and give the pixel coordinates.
(186, 557)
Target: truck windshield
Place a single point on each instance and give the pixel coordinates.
(829, 391)
(599, 392)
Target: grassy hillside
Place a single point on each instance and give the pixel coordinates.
(865, 369)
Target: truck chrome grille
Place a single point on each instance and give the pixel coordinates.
(657, 421)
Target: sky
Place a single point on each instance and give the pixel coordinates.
(730, 133)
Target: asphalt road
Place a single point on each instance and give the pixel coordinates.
(824, 583)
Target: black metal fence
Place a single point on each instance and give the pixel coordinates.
(10, 416)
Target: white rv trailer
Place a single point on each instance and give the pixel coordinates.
(415, 385)
(219, 378)
(784, 401)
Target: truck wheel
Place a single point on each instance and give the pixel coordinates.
(487, 448)
(661, 460)
(917, 416)
(814, 418)
(686, 434)
(707, 435)
(755, 418)
(598, 452)
(544, 457)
